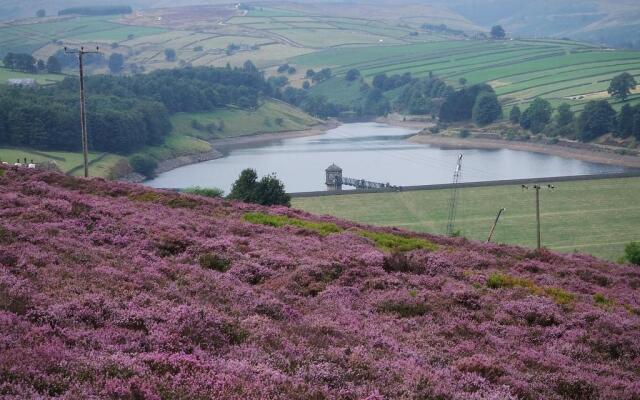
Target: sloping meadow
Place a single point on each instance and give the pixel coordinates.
(118, 291)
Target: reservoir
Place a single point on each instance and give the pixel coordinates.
(374, 152)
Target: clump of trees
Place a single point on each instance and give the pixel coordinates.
(423, 96)
(497, 32)
(96, 10)
(124, 113)
(477, 102)
(267, 191)
(20, 62)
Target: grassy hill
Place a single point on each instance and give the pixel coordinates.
(598, 217)
(118, 291)
(519, 70)
(271, 116)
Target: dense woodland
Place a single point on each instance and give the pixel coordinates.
(124, 113)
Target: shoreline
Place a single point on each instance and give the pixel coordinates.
(231, 143)
(592, 154)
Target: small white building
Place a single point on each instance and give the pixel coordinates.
(23, 82)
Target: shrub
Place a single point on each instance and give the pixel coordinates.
(213, 261)
(560, 296)
(396, 243)
(602, 301)
(404, 309)
(277, 221)
(144, 165)
(168, 246)
(464, 133)
(206, 192)
(632, 253)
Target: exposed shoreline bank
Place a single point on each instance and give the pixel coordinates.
(221, 145)
(592, 154)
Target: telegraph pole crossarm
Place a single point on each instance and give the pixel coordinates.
(83, 116)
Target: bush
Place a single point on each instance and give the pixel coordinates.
(144, 165)
(207, 192)
(268, 191)
(632, 253)
(213, 261)
(464, 133)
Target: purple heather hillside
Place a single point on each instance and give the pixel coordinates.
(117, 291)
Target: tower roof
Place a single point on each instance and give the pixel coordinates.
(333, 168)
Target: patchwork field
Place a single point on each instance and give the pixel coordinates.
(597, 217)
(520, 70)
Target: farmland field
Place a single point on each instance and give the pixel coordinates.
(597, 217)
(320, 36)
(520, 70)
(68, 162)
(241, 122)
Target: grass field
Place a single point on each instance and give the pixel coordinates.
(242, 122)
(519, 70)
(597, 217)
(43, 79)
(68, 162)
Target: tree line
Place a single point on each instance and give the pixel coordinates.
(124, 113)
(96, 10)
(596, 119)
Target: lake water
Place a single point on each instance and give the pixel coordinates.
(374, 152)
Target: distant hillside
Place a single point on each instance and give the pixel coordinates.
(114, 290)
(610, 22)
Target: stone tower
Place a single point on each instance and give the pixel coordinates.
(334, 177)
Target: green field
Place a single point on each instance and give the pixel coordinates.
(43, 79)
(242, 122)
(101, 164)
(597, 217)
(519, 70)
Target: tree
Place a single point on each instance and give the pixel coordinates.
(41, 13)
(40, 65)
(270, 191)
(625, 121)
(632, 253)
(375, 103)
(595, 120)
(116, 62)
(245, 186)
(497, 32)
(514, 115)
(249, 67)
(170, 54)
(310, 73)
(306, 85)
(565, 115)
(537, 115)
(462, 81)
(621, 86)
(486, 109)
(352, 75)
(143, 165)
(53, 65)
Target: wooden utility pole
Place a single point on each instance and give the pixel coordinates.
(495, 223)
(537, 188)
(83, 116)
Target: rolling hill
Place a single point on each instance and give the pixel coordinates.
(112, 290)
